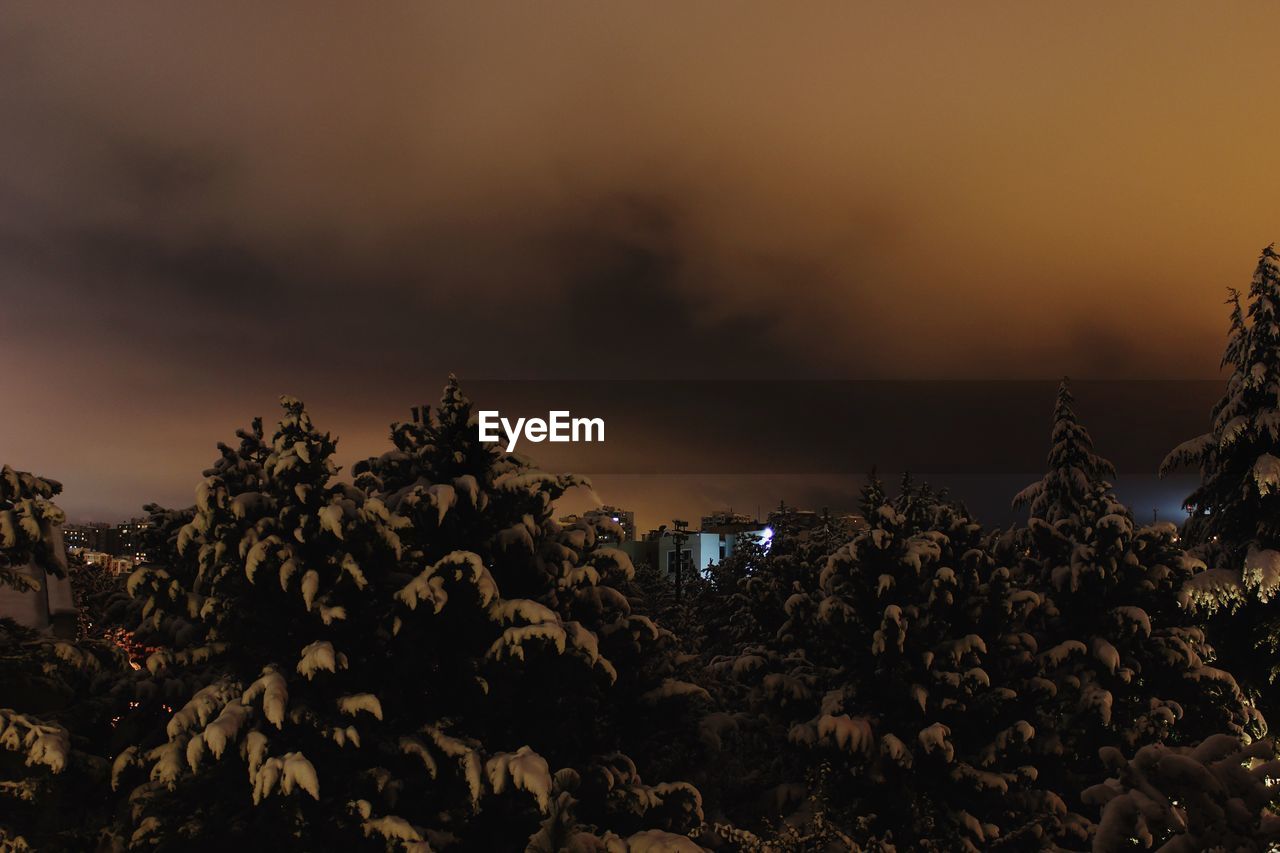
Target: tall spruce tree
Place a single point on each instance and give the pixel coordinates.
(598, 681)
(877, 706)
(414, 661)
(1122, 662)
(1074, 469)
(1235, 511)
(1235, 504)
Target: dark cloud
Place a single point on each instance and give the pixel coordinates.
(210, 205)
(206, 270)
(629, 267)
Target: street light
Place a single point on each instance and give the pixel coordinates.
(678, 537)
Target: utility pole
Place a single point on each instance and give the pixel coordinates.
(678, 537)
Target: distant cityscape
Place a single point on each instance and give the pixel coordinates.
(116, 547)
(121, 547)
(678, 546)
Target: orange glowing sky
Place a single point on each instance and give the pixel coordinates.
(202, 209)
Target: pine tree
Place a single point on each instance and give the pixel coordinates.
(743, 609)
(27, 516)
(1213, 796)
(1235, 511)
(1074, 469)
(1122, 662)
(875, 702)
(55, 696)
(1235, 504)
(402, 661)
(562, 590)
(97, 591)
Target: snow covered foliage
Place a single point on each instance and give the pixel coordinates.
(27, 514)
(49, 688)
(1235, 510)
(419, 659)
(880, 696)
(1237, 457)
(1074, 469)
(1123, 659)
(1219, 795)
(931, 685)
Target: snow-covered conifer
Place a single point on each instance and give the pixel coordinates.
(1074, 469)
(1121, 661)
(1235, 511)
(876, 698)
(1236, 501)
(1217, 795)
(421, 658)
(55, 695)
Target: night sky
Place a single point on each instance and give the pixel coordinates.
(200, 209)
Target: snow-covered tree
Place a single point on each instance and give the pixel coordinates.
(1074, 469)
(879, 715)
(936, 686)
(55, 695)
(753, 584)
(744, 765)
(405, 661)
(1236, 502)
(27, 517)
(98, 591)
(1235, 511)
(1218, 795)
(549, 627)
(1122, 662)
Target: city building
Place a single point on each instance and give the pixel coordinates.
(126, 539)
(94, 536)
(729, 521)
(132, 535)
(721, 533)
(625, 519)
(643, 550)
(47, 605)
(793, 521)
(115, 564)
(701, 549)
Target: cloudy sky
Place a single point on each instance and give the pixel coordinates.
(201, 209)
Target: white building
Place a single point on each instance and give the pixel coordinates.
(703, 548)
(49, 605)
(112, 563)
